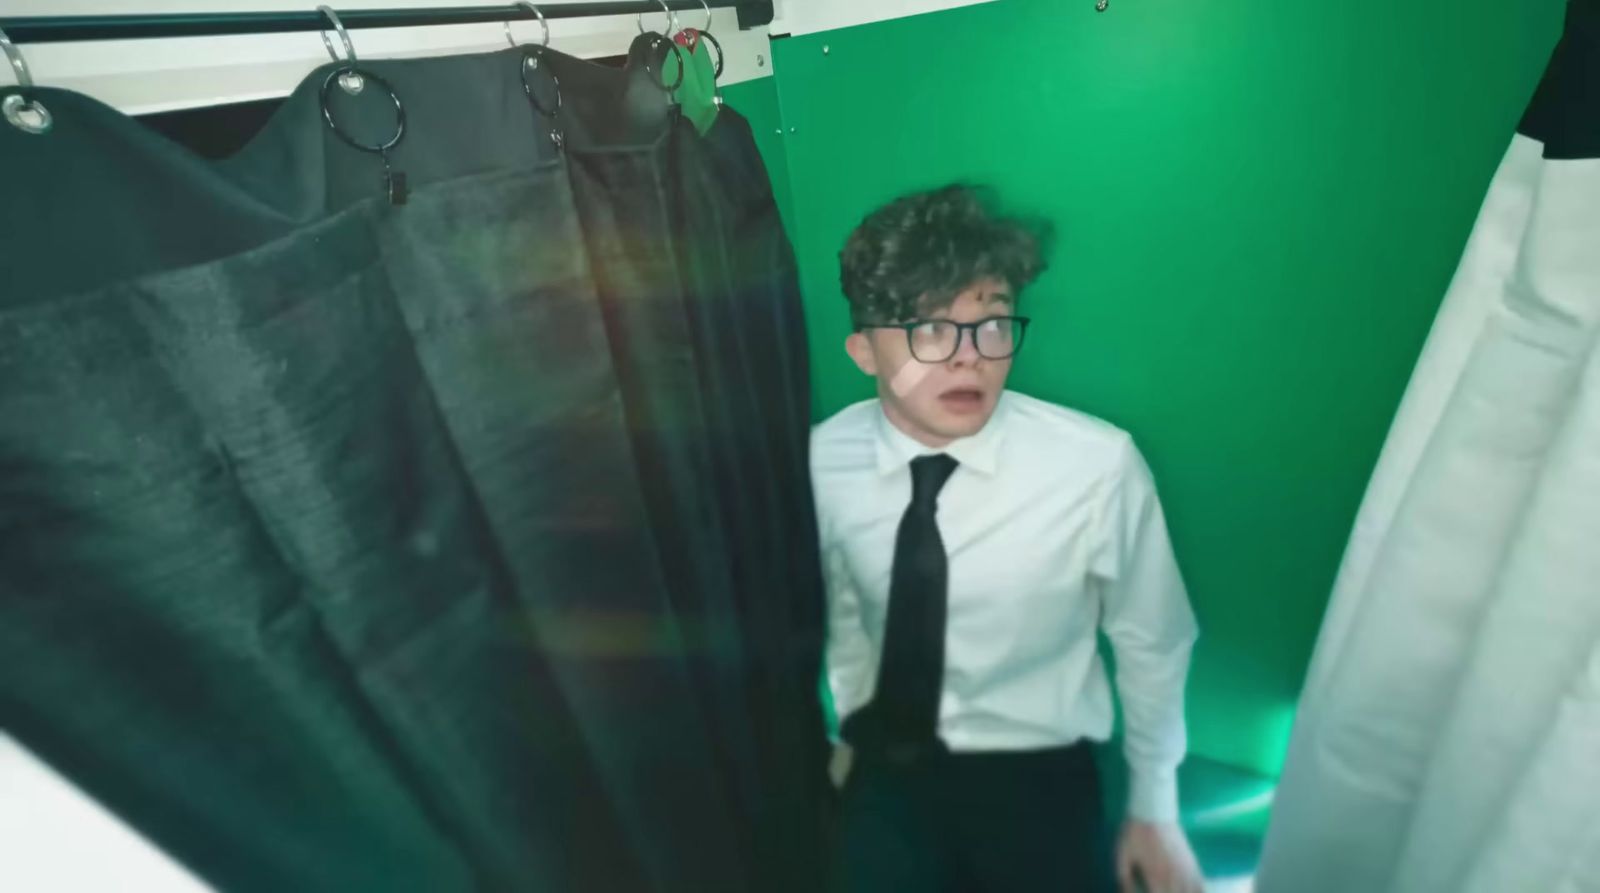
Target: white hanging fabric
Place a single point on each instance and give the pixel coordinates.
(1449, 738)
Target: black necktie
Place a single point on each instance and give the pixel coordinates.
(904, 714)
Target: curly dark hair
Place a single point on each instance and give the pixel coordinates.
(914, 255)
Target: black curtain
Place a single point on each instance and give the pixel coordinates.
(462, 543)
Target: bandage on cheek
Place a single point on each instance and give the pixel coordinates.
(910, 375)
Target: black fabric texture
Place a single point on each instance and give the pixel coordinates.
(1565, 111)
(464, 544)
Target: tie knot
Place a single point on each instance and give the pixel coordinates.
(928, 476)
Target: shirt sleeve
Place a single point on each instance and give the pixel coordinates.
(1145, 613)
(849, 651)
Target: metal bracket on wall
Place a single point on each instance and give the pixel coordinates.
(1102, 5)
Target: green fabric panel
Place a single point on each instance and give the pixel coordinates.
(1261, 204)
(697, 96)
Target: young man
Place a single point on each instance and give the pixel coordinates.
(975, 540)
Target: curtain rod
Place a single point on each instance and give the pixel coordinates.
(46, 29)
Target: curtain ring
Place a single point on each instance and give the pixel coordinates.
(27, 115)
(672, 18)
(661, 79)
(542, 23)
(721, 56)
(715, 43)
(333, 124)
(24, 78)
(530, 62)
(349, 80)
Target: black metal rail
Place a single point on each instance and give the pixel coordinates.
(46, 29)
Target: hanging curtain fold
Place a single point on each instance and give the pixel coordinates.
(457, 544)
(1449, 739)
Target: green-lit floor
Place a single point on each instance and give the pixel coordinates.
(1225, 811)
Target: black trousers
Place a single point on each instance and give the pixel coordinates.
(994, 822)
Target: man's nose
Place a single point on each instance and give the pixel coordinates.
(966, 349)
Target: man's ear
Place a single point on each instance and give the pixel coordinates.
(859, 347)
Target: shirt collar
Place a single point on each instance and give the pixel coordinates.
(980, 452)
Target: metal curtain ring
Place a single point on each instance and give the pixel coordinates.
(672, 18)
(19, 64)
(399, 110)
(706, 33)
(542, 23)
(338, 25)
(660, 80)
(721, 56)
(351, 81)
(530, 60)
(27, 115)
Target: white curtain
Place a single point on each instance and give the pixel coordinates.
(1449, 737)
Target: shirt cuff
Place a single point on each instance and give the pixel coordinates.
(1153, 797)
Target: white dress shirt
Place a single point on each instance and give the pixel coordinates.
(1054, 530)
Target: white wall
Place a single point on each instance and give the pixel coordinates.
(142, 76)
(809, 16)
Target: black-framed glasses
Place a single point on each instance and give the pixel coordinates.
(937, 340)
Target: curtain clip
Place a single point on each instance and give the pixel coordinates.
(22, 112)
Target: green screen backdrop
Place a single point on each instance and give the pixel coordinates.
(1260, 205)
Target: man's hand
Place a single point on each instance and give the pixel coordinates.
(1158, 857)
